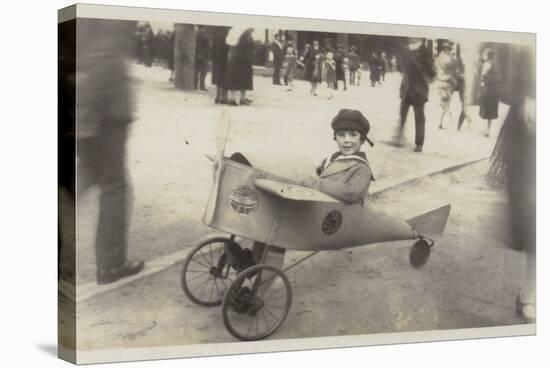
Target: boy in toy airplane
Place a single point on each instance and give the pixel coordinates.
(346, 174)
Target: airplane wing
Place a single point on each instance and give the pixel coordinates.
(292, 191)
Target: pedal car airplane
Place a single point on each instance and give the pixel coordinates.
(253, 199)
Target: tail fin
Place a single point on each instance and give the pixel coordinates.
(432, 222)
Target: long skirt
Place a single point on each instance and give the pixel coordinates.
(488, 106)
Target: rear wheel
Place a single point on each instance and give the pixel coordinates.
(206, 274)
(257, 302)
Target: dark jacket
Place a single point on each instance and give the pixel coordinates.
(202, 46)
(418, 72)
(239, 65)
(277, 53)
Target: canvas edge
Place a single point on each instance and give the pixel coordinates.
(298, 344)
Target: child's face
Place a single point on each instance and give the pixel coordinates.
(349, 141)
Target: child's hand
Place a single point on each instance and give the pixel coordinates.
(311, 182)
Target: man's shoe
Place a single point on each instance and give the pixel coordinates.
(525, 311)
(112, 274)
(418, 149)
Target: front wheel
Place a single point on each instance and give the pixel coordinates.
(420, 252)
(257, 302)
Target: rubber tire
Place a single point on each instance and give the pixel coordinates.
(235, 284)
(188, 259)
(419, 254)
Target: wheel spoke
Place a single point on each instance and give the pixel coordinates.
(220, 251)
(250, 327)
(272, 295)
(274, 306)
(196, 271)
(265, 319)
(271, 314)
(203, 256)
(203, 287)
(199, 276)
(199, 285)
(212, 290)
(217, 288)
(211, 257)
(203, 265)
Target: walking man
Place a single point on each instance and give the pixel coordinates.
(418, 72)
(277, 49)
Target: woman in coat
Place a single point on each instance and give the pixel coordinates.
(489, 89)
(239, 65)
(313, 60)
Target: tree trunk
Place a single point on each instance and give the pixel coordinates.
(184, 55)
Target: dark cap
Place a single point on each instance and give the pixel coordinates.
(352, 120)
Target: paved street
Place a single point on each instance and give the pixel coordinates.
(470, 280)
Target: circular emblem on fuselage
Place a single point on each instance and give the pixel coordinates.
(243, 201)
(332, 222)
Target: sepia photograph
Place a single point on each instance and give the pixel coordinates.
(232, 183)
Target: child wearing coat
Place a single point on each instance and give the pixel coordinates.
(346, 174)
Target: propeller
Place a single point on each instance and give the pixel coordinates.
(224, 126)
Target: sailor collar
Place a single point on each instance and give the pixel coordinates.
(338, 156)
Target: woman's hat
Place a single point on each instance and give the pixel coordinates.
(352, 120)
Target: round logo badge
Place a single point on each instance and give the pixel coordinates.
(332, 222)
(243, 201)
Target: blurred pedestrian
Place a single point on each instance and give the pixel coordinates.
(375, 68)
(202, 52)
(489, 88)
(464, 101)
(418, 72)
(513, 162)
(290, 67)
(312, 59)
(383, 66)
(138, 39)
(340, 74)
(239, 75)
(104, 113)
(171, 54)
(393, 63)
(353, 64)
(148, 45)
(447, 78)
(287, 44)
(220, 52)
(329, 70)
(277, 51)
